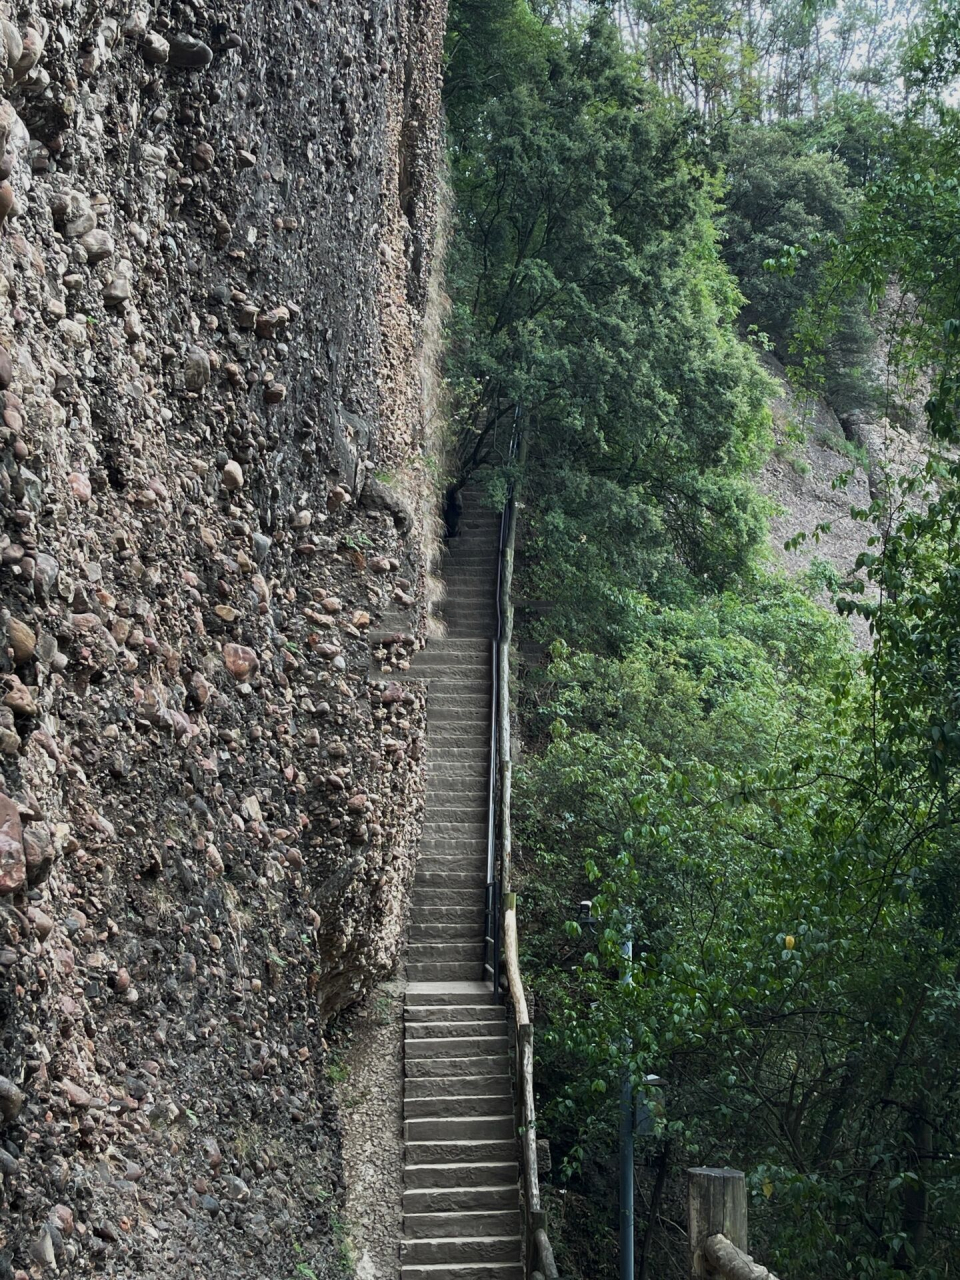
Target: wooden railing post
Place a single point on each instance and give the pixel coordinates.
(716, 1205)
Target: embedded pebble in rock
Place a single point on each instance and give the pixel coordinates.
(154, 48)
(187, 51)
(196, 373)
(22, 639)
(232, 476)
(13, 864)
(212, 310)
(240, 661)
(11, 1099)
(98, 244)
(80, 486)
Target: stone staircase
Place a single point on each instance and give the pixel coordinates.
(461, 1207)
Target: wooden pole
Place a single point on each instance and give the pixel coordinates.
(511, 957)
(506, 639)
(732, 1263)
(716, 1205)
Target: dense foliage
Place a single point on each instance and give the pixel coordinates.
(769, 814)
(589, 297)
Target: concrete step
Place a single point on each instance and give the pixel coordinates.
(460, 1199)
(444, 699)
(472, 844)
(461, 1151)
(454, 1013)
(457, 1250)
(417, 1087)
(438, 899)
(430, 848)
(459, 811)
(465, 912)
(453, 692)
(463, 931)
(463, 1222)
(475, 779)
(449, 1128)
(474, 864)
(470, 719)
(485, 1173)
(445, 953)
(472, 748)
(468, 880)
(470, 794)
(443, 829)
(463, 1271)
(440, 971)
(489, 1064)
(448, 645)
(455, 1046)
(473, 708)
(480, 1104)
(436, 1030)
(423, 994)
(485, 629)
(451, 682)
(469, 1105)
(466, 665)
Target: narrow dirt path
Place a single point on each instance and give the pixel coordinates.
(369, 1089)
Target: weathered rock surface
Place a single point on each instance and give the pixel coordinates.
(215, 252)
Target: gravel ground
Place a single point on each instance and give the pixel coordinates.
(370, 1099)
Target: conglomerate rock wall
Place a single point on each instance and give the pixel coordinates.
(215, 266)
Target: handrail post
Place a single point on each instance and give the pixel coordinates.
(716, 1205)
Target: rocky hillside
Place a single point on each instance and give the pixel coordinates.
(215, 268)
(820, 468)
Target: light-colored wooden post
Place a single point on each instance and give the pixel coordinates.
(716, 1205)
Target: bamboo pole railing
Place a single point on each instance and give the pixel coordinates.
(540, 1260)
(717, 1204)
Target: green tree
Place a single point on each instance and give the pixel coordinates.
(589, 298)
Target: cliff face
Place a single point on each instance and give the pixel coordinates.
(214, 268)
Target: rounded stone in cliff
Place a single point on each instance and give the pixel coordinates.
(6, 368)
(6, 201)
(240, 661)
(33, 43)
(13, 42)
(11, 1100)
(196, 372)
(80, 486)
(188, 52)
(39, 852)
(232, 476)
(155, 49)
(13, 863)
(18, 697)
(203, 157)
(117, 291)
(23, 642)
(98, 245)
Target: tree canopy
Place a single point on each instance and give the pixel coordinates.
(648, 193)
